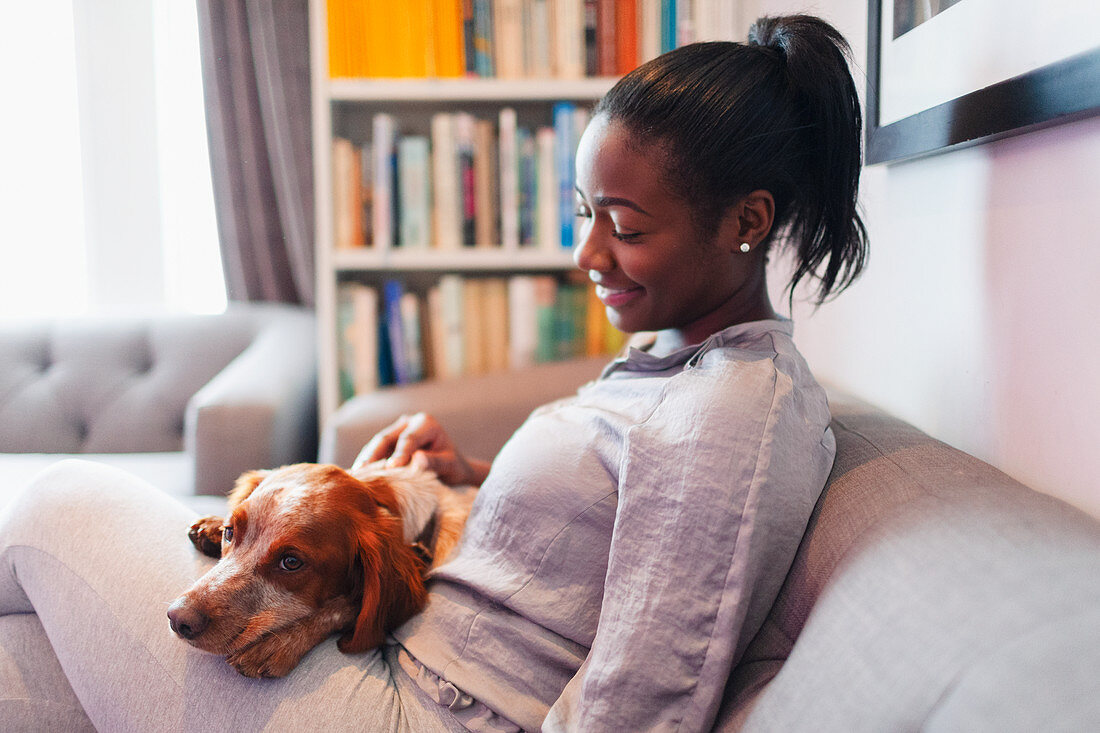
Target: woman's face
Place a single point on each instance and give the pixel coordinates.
(639, 243)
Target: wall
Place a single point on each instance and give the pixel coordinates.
(976, 320)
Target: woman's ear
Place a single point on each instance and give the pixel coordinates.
(749, 221)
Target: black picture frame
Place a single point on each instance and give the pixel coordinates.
(1063, 91)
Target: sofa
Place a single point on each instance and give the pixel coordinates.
(930, 591)
(187, 402)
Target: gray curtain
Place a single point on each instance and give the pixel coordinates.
(255, 67)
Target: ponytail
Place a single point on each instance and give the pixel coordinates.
(779, 113)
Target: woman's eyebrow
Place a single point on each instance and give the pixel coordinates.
(606, 201)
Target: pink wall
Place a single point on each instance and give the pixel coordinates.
(977, 318)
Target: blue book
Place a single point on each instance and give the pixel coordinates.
(565, 149)
(483, 38)
(395, 331)
(668, 25)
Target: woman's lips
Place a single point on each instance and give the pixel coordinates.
(617, 297)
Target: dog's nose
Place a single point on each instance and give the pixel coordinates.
(186, 620)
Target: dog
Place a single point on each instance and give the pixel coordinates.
(309, 550)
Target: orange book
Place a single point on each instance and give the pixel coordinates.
(626, 35)
(447, 41)
(336, 11)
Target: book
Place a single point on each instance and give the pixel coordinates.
(528, 186)
(606, 33)
(508, 38)
(567, 38)
(494, 316)
(486, 185)
(473, 327)
(464, 161)
(394, 332)
(626, 36)
(508, 157)
(409, 305)
(523, 325)
(546, 292)
(346, 195)
(484, 63)
(384, 142)
(537, 62)
(649, 29)
(447, 38)
(446, 202)
(414, 182)
(591, 37)
(469, 55)
(547, 191)
(565, 149)
(451, 361)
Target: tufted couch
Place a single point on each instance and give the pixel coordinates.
(930, 591)
(187, 402)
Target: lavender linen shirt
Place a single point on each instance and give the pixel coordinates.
(630, 540)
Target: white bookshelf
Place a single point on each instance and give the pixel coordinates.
(350, 102)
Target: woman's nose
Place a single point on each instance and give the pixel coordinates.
(589, 254)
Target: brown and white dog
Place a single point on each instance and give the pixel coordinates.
(309, 550)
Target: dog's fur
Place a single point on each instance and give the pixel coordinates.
(309, 550)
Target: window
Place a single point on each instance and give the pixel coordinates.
(106, 198)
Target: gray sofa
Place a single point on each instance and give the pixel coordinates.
(931, 591)
(186, 402)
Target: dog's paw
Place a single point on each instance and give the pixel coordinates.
(268, 657)
(206, 536)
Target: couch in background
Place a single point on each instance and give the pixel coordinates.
(930, 591)
(187, 402)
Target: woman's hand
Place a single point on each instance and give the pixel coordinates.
(420, 441)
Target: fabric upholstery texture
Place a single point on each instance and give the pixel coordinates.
(228, 392)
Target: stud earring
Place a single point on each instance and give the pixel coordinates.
(745, 247)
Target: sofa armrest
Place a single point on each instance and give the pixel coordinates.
(260, 411)
(479, 412)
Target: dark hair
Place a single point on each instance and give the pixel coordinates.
(779, 113)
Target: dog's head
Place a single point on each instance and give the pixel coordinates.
(305, 544)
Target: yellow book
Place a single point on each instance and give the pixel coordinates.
(446, 29)
(336, 11)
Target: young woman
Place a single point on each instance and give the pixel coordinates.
(627, 542)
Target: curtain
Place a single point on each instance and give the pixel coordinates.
(256, 79)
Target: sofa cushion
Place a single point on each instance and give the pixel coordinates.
(920, 564)
(84, 385)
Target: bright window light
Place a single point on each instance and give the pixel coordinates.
(42, 254)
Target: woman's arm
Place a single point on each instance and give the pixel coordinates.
(713, 500)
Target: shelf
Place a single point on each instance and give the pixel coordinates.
(466, 90)
(465, 260)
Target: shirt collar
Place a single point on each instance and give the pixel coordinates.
(635, 357)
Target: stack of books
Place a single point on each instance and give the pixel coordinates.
(471, 183)
(464, 325)
(515, 38)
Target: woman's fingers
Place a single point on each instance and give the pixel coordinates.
(383, 443)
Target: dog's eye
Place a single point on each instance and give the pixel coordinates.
(290, 563)
(227, 534)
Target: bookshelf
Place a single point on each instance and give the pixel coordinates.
(344, 109)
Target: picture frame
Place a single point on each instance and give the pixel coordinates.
(1062, 90)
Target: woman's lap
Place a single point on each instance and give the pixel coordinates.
(98, 555)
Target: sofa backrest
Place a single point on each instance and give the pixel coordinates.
(111, 385)
(921, 564)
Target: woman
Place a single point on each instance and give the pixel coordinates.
(628, 542)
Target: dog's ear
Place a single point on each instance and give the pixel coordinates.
(393, 587)
(246, 483)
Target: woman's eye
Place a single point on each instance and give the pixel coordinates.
(582, 211)
(290, 563)
(227, 534)
(626, 236)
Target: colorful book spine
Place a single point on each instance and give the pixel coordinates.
(508, 155)
(384, 139)
(564, 152)
(483, 38)
(392, 291)
(446, 201)
(547, 191)
(414, 181)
